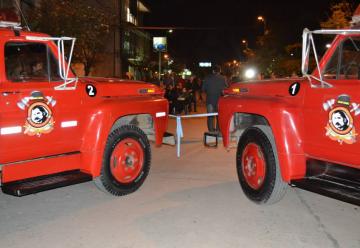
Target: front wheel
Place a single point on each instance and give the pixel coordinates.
(258, 168)
(126, 161)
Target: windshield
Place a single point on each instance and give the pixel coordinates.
(345, 62)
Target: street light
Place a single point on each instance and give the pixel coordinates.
(250, 73)
(262, 19)
(245, 43)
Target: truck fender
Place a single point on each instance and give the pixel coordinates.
(99, 125)
(286, 125)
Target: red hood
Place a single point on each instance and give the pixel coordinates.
(270, 87)
(121, 87)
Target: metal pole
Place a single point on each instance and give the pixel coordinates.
(159, 66)
(121, 38)
(117, 45)
(179, 129)
(265, 27)
(178, 136)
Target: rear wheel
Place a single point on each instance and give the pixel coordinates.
(258, 168)
(126, 161)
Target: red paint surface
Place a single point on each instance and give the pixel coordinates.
(126, 160)
(298, 122)
(254, 166)
(95, 117)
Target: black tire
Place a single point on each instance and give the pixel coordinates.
(107, 181)
(272, 188)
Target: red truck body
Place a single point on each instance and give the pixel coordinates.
(308, 121)
(78, 122)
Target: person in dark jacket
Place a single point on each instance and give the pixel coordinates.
(171, 94)
(213, 86)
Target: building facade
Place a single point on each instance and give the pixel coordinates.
(128, 49)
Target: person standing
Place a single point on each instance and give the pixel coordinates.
(213, 86)
(196, 88)
(168, 80)
(199, 83)
(189, 85)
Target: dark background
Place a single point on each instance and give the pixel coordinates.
(232, 21)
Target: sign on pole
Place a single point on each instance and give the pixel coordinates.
(160, 44)
(205, 64)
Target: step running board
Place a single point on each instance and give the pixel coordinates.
(43, 183)
(333, 187)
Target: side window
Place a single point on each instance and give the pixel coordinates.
(345, 62)
(30, 62)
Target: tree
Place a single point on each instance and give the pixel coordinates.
(272, 57)
(75, 18)
(340, 17)
(266, 54)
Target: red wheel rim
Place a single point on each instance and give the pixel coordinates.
(127, 160)
(253, 166)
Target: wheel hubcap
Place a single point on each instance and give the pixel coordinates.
(253, 166)
(126, 160)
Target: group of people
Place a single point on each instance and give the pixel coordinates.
(183, 95)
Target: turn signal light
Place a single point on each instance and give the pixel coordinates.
(147, 91)
(233, 91)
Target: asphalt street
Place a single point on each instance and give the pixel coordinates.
(193, 201)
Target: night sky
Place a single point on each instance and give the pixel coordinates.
(233, 20)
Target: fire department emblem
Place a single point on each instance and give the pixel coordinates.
(39, 114)
(340, 126)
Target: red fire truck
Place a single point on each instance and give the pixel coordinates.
(300, 131)
(57, 129)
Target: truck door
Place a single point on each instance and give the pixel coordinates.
(332, 114)
(36, 120)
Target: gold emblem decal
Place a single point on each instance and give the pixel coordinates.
(39, 114)
(340, 126)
